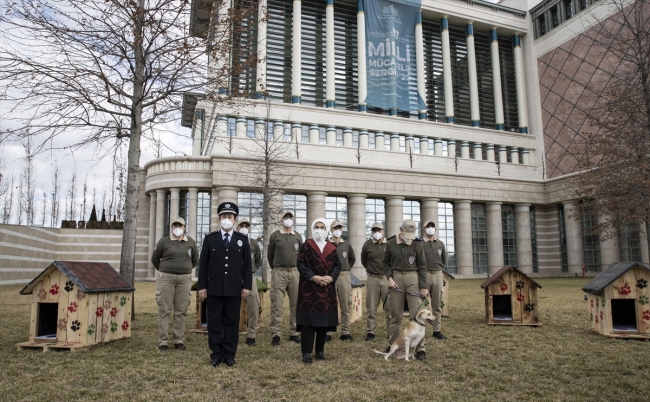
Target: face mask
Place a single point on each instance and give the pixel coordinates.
(408, 242)
(318, 234)
(244, 231)
(337, 233)
(377, 235)
(178, 232)
(431, 231)
(288, 223)
(226, 224)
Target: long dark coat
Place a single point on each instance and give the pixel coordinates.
(317, 305)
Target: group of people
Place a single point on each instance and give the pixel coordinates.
(315, 274)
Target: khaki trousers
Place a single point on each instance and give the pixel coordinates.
(284, 281)
(253, 304)
(344, 292)
(376, 292)
(408, 281)
(434, 286)
(173, 292)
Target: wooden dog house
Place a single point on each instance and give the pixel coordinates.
(511, 298)
(619, 301)
(78, 304)
(356, 310)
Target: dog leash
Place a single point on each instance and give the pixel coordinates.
(425, 302)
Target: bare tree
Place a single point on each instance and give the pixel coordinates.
(56, 197)
(8, 202)
(44, 208)
(113, 72)
(358, 153)
(85, 199)
(613, 153)
(4, 179)
(411, 156)
(27, 194)
(71, 198)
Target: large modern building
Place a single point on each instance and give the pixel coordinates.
(505, 88)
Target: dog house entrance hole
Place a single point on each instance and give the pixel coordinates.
(204, 314)
(46, 325)
(502, 307)
(624, 315)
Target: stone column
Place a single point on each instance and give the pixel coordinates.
(357, 230)
(609, 250)
(521, 88)
(475, 114)
(363, 139)
(152, 232)
(330, 137)
(315, 208)
(437, 146)
(394, 142)
(240, 127)
(260, 128)
(362, 90)
(503, 154)
(429, 211)
(463, 231)
(278, 130)
(424, 145)
(575, 251)
(260, 85)
(525, 156)
(494, 236)
(228, 194)
(496, 80)
(645, 252)
(160, 213)
(409, 144)
(514, 155)
(222, 126)
(451, 148)
(174, 203)
(394, 214)
(347, 137)
(446, 70)
(379, 140)
(314, 134)
(296, 53)
(524, 245)
(490, 152)
(330, 83)
(197, 133)
(191, 223)
(478, 151)
(214, 204)
(464, 150)
(296, 132)
(419, 62)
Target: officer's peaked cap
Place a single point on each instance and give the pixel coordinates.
(228, 208)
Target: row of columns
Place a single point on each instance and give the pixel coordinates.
(296, 82)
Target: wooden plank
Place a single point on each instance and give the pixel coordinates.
(608, 325)
(119, 300)
(527, 304)
(91, 328)
(82, 315)
(33, 321)
(72, 307)
(489, 313)
(624, 287)
(518, 324)
(518, 297)
(63, 321)
(106, 318)
(45, 285)
(127, 313)
(243, 316)
(642, 284)
(356, 311)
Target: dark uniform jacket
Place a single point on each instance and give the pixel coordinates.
(225, 272)
(346, 254)
(435, 254)
(256, 255)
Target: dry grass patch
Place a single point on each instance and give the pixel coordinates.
(562, 360)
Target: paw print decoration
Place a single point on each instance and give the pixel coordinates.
(503, 287)
(73, 307)
(69, 286)
(54, 289)
(125, 325)
(113, 312)
(641, 283)
(529, 307)
(520, 297)
(625, 290)
(643, 300)
(646, 315)
(75, 326)
(520, 284)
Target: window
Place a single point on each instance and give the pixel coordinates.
(629, 241)
(251, 206)
(202, 217)
(591, 242)
(432, 38)
(533, 239)
(336, 208)
(446, 233)
(459, 74)
(168, 197)
(509, 235)
(569, 11)
(563, 247)
(479, 239)
(244, 47)
(555, 15)
(411, 210)
(184, 207)
(297, 204)
(375, 212)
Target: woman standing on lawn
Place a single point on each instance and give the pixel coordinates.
(317, 310)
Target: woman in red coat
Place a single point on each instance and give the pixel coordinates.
(317, 310)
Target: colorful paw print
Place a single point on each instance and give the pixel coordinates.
(503, 287)
(73, 307)
(646, 315)
(80, 295)
(69, 286)
(603, 302)
(125, 325)
(596, 319)
(42, 294)
(75, 326)
(123, 301)
(91, 329)
(54, 289)
(63, 323)
(442, 305)
(104, 329)
(529, 307)
(601, 315)
(641, 283)
(520, 297)
(99, 312)
(643, 300)
(520, 284)
(591, 317)
(113, 311)
(107, 304)
(113, 327)
(592, 304)
(625, 290)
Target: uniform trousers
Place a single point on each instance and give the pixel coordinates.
(376, 292)
(173, 292)
(223, 325)
(407, 281)
(284, 281)
(253, 305)
(434, 286)
(344, 293)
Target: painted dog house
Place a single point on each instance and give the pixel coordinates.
(78, 304)
(618, 301)
(356, 310)
(511, 298)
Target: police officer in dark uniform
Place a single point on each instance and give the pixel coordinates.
(224, 278)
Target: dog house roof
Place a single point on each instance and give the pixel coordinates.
(613, 272)
(355, 282)
(502, 271)
(90, 277)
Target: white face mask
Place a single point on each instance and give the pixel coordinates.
(178, 232)
(318, 234)
(226, 224)
(337, 233)
(431, 231)
(408, 242)
(244, 231)
(288, 223)
(377, 235)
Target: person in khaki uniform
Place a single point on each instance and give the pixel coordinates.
(372, 256)
(406, 269)
(282, 256)
(174, 257)
(343, 284)
(253, 299)
(436, 256)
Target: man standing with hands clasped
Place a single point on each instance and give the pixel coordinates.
(436, 256)
(406, 269)
(224, 278)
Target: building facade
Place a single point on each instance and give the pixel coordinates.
(487, 160)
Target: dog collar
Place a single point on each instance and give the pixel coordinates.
(424, 325)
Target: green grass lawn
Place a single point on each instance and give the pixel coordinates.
(561, 360)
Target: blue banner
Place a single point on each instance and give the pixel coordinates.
(390, 54)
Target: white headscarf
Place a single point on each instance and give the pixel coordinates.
(320, 243)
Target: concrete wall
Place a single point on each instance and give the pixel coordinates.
(25, 251)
